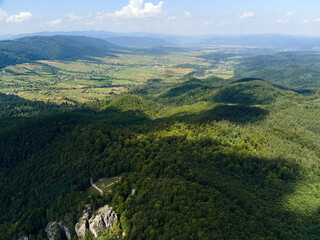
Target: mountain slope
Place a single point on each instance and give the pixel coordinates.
(296, 69)
(53, 48)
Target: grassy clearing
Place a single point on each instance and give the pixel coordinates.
(104, 184)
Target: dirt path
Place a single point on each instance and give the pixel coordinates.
(103, 186)
(109, 185)
(95, 186)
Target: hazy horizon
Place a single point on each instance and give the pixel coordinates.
(149, 34)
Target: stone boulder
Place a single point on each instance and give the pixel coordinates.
(56, 230)
(104, 218)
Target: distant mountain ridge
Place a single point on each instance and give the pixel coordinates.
(53, 48)
(137, 39)
(133, 40)
(279, 41)
(139, 42)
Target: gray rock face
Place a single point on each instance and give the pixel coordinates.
(134, 192)
(104, 218)
(24, 238)
(83, 223)
(96, 225)
(109, 218)
(57, 231)
(81, 227)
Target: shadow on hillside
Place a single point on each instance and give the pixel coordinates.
(249, 191)
(32, 135)
(178, 91)
(258, 189)
(240, 114)
(246, 94)
(302, 91)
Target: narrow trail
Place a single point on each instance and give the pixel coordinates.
(104, 187)
(109, 185)
(96, 187)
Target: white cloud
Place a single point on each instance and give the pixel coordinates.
(287, 19)
(289, 14)
(139, 9)
(187, 15)
(171, 18)
(18, 18)
(3, 14)
(74, 18)
(54, 22)
(223, 24)
(315, 20)
(246, 15)
(209, 22)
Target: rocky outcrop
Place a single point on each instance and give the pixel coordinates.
(24, 238)
(109, 218)
(96, 225)
(57, 231)
(83, 223)
(104, 218)
(81, 227)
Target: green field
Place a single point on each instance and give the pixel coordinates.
(89, 81)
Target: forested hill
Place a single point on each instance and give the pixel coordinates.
(298, 69)
(53, 48)
(208, 160)
(12, 106)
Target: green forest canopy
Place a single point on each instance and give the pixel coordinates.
(234, 161)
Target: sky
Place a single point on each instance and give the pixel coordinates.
(179, 17)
